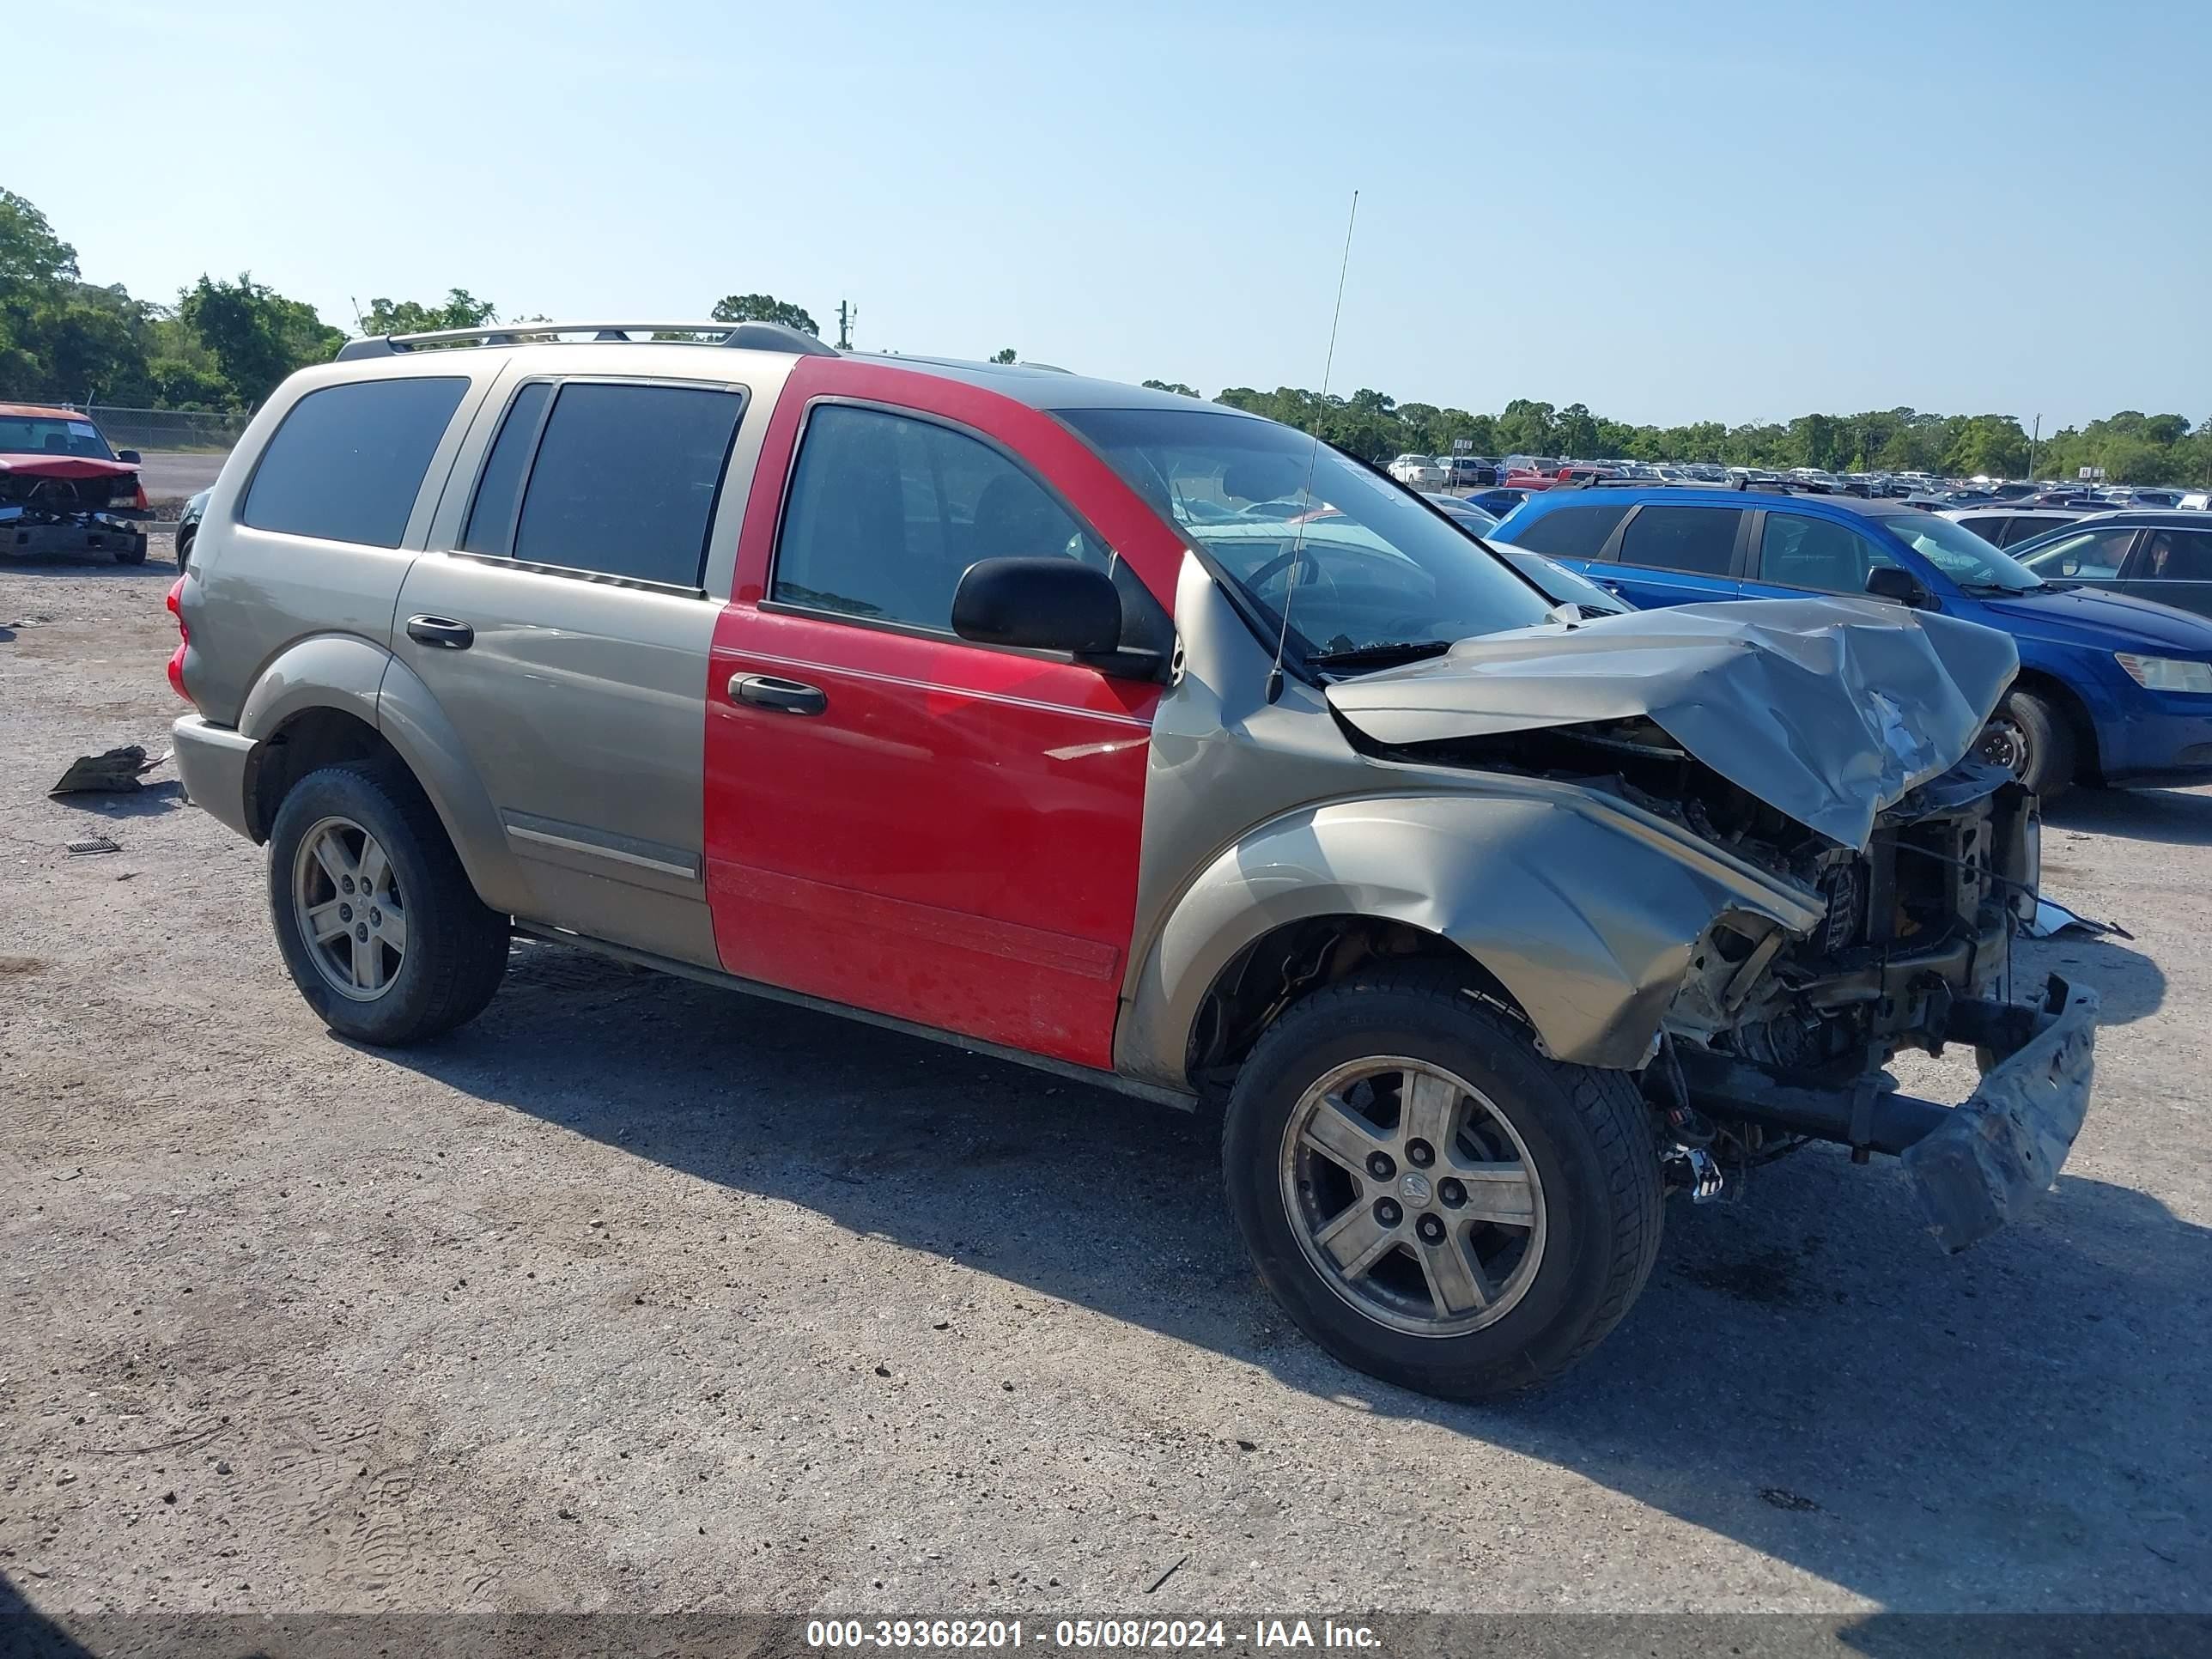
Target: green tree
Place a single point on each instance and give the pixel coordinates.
(1994, 445)
(1527, 429)
(258, 336)
(1004, 355)
(461, 309)
(1176, 386)
(764, 308)
(29, 250)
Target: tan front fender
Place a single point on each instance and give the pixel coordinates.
(1585, 909)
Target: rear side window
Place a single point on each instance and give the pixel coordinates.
(1572, 532)
(348, 461)
(1989, 527)
(623, 480)
(2025, 526)
(1698, 539)
(499, 493)
(2178, 556)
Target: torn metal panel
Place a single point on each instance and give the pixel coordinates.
(1828, 710)
(1993, 1156)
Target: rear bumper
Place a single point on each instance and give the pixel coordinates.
(1975, 1166)
(212, 760)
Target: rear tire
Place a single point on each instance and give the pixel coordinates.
(430, 953)
(2032, 737)
(1567, 1150)
(135, 554)
(184, 554)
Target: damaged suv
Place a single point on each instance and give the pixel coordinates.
(1142, 741)
(63, 491)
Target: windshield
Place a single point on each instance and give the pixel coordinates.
(48, 434)
(1370, 565)
(1960, 554)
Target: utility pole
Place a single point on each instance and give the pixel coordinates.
(846, 312)
(2033, 438)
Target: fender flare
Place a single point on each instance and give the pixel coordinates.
(1587, 910)
(357, 676)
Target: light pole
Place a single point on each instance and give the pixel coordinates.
(2032, 441)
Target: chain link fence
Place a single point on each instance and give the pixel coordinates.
(206, 431)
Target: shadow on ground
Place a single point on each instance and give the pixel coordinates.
(2179, 818)
(1806, 1373)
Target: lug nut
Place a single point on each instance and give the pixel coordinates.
(375, 916)
(1451, 1192)
(1388, 1213)
(1430, 1230)
(361, 930)
(1420, 1154)
(1380, 1166)
(345, 913)
(345, 884)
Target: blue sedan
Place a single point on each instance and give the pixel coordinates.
(2112, 688)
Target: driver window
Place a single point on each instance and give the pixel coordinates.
(886, 514)
(2094, 555)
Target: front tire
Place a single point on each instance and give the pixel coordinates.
(2033, 739)
(1429, 1198)
(376, 919)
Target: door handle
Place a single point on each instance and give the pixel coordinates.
(442, 631)
(769, 691)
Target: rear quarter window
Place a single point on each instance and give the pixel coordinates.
(347, 462)
(1572, 532)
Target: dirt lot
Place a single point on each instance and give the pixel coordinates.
(638, 1295)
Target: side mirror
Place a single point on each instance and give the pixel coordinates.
(129, 455)
(1899, 585)
(1047, 605)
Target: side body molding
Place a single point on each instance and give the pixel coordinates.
(1588, 919)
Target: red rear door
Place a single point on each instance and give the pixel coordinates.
(895, 818)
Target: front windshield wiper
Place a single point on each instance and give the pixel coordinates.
(1997, 587)
(1384, 653)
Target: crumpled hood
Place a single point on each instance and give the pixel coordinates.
(33, 465)
(1829, 710)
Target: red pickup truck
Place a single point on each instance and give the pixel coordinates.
(1522, 478)
(63, 491)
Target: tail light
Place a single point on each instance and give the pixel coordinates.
(183, 635)
(138, 498)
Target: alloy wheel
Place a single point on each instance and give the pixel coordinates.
(1412, 1195)
(351, 915)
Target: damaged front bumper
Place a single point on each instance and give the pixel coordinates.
(1975, 1166)
(35, 534)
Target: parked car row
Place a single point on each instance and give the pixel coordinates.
(2113, 687)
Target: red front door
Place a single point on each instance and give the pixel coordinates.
(897, 819)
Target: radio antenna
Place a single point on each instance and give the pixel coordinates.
(1313, 457)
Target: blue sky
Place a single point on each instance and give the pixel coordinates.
(1725, 211)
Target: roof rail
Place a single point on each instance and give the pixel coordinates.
(749, 336)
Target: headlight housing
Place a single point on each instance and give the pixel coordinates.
(2167, 673)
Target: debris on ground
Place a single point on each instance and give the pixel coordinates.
(94, 844)
(2052, 919)
(116, 771)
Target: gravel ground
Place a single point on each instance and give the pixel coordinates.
(639, 1295)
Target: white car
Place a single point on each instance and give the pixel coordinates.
(1421, 471)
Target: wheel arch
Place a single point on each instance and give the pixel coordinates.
(2088, 765)
(1506, 884)
(339, 697)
